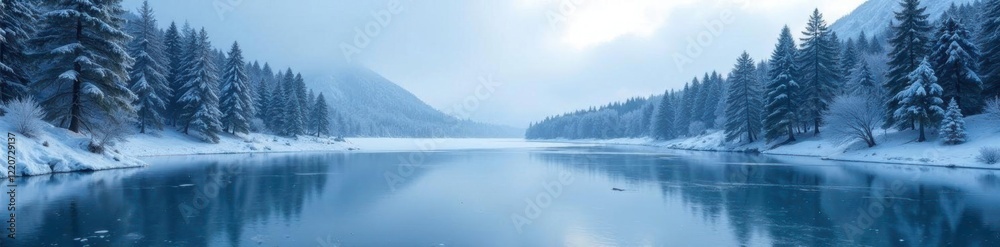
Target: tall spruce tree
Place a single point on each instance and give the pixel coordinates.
(782, 91)
(684, 110)
(920, 103)
(864, 84)
(743, 110)
(990, 42)
(265, 88)
(712, 104)
(174, 51)
(663, 122)
(320, 117)
(955, 58)
(148, 74)
(84, 63)
(909, 46)
(17, 25)
(200, 93)
(819, 66)
(237, 100)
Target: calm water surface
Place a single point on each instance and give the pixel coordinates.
(511, 197)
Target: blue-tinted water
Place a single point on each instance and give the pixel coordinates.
(510, 197)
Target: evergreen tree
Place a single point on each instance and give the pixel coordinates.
(663, 125)
(320, 117)
(955, 60)
(701, 102)
(952, 129)
(849, 61)
(818, 63)
(862, 43)
(864, 84)
(17, 24)
(148, 80)
(174, 52)
(277, 107)
(990, 42)
(708, 100)
(200, 93)
(920, 103)
(84, 63)
(683, 118)
(301, 93)
(265, 88)
(782, 92)
(237, 100)
(743, 110)
(909, 46)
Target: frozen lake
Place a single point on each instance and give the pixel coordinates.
(535, 196)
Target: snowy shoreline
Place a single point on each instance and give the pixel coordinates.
(894, 148)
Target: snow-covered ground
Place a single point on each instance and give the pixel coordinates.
(58, 150)
(172, 142)
(893, 147)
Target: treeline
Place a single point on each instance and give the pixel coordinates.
(92, 64)
(907, 75)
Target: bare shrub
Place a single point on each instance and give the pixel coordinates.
(993, 108)
(110, 130)
(855, 118)
(989, 155)
(25, 116)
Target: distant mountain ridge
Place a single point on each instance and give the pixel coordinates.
(873, 16)
(373, 106)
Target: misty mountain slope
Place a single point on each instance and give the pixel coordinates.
(374, 106)
(873, 16)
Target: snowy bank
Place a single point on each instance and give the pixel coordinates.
(170, 142)
(54, 150)
(893, 147)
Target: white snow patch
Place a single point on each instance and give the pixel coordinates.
(893, 147)
(55, 150)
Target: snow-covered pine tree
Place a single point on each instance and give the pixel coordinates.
(696, 104)
(782, 92)
(663, 122)
(84, 63)
(265, 88)
(200, 93)
(278, 106)
(310, 103)
(819, 67)
(301, 93)
(743, 110)
(990, 43)
(920, 103)
(174, 51)
(701, 101)
(909, 45)
(236, 102)
(955, 58)
(320, 116)
(292, 115)
(952, 129)
(147, 76)
(861, 43)
(17, 24)
(848, 62)
(864, 83)
(712, 96)
(683, 118)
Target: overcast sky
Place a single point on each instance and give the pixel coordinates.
(551, 56)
